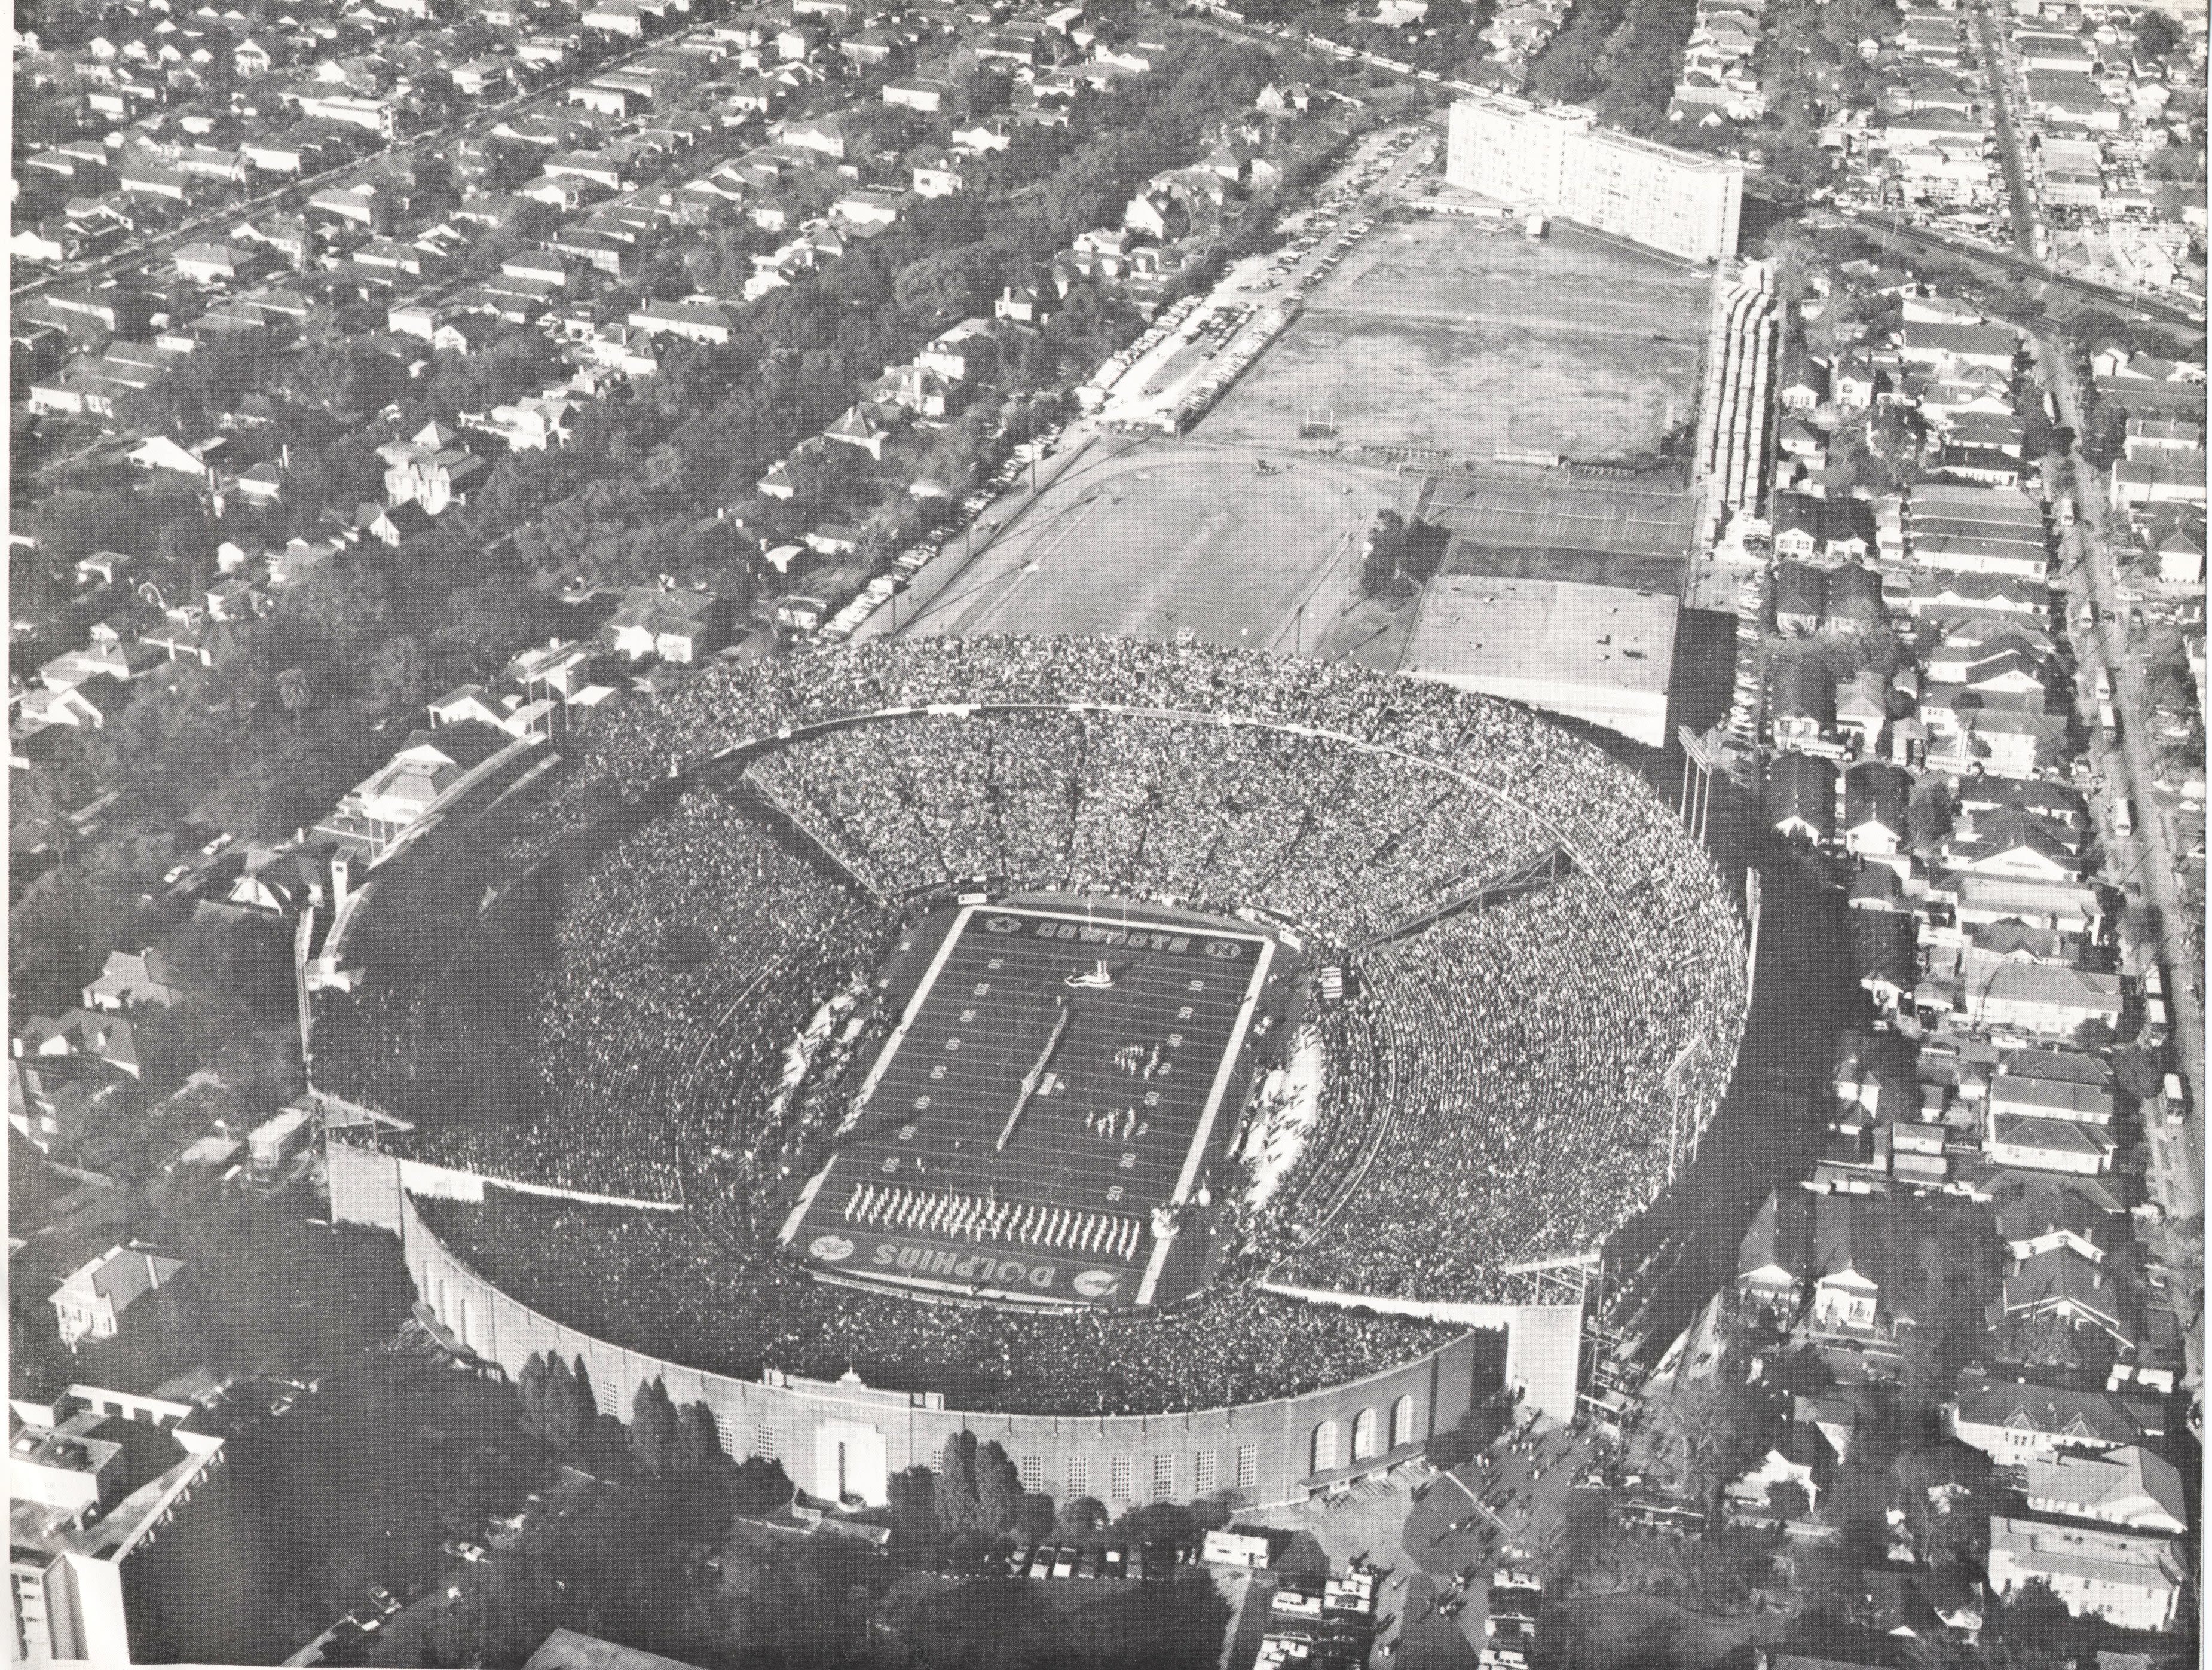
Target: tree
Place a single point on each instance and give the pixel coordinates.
(959, 1504)
(759, 1486)
(698, 1447)
(997, 1488)
(293, 691)
(1928, 815)
(2156, 35)
(576, 1414)
(1788, 1498)
(1033, 1519)
(1080, 1518)
(912, 1495)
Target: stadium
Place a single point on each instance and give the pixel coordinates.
(1180, 1065)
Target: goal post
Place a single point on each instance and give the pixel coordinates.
(1318, 424)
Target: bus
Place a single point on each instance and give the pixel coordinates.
(2108, 721)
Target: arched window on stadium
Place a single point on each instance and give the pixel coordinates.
(1363, 1434)
(1324, 1447)
(1401, 1422)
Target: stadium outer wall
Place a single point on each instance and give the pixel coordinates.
(844, 1434)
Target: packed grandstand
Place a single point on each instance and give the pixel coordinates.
(646, 984)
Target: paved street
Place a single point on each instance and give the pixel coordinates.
(2146, 857)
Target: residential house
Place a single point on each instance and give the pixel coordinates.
(2049, 1145)
(1773, 1260)
(91, 1300)
(2062, 1286)
(1876, 797)
(2015, 1422)
(1847, 1267)
(1800, 798)
(2053, 1003)
(429, 470)
(861, 427)
(1801, 703)
(2037, 1214)
(130, 979)
(2131, 1487)
(682, 627)
(2131, 1581)
(2050, 1098)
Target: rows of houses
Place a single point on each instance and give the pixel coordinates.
(1927, 730)
(1719, 79)
(2068, 1401)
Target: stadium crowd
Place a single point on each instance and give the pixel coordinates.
(1503, 1085)
(650, 1282)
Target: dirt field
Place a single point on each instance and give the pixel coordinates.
(1441, 333)
(1164, 538)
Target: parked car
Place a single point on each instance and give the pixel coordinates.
(383, 1598)
(1063, 1563)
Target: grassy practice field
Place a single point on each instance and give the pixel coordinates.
(1449, 333)
(1167, 537)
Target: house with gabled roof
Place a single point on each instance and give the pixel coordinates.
(2131, 1486)
(861, 427)
(2063, 1286)
(91, 1300)
(132, 979)
(2015, 1422)
(2049, 1145)
(1800, 798)
(1847, 1264)
(683, 627)
(1773, 1258)
(1876, 797)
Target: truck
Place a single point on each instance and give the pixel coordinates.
(2123, 815)
(2108, 721)
(2104, 684)
(2065, 510)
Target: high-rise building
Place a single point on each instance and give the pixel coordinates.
(1559, 157)
(95, 1478)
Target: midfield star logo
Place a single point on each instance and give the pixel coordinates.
(830, 1248)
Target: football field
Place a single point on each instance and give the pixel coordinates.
(1020, 1128)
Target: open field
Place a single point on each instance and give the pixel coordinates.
(1548, 525)
(1164, 538)
(1449, 333)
